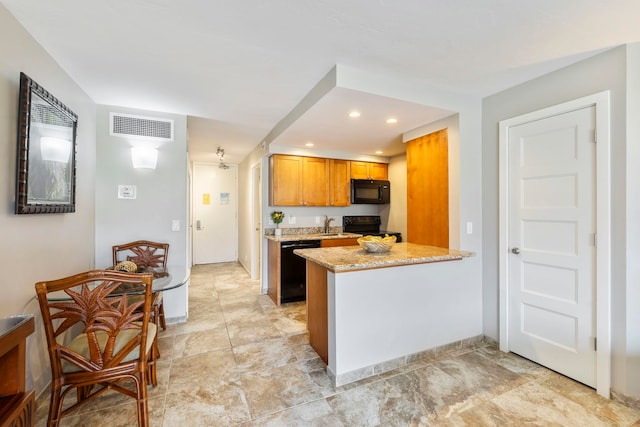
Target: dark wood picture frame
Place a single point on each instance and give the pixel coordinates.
(46, 157)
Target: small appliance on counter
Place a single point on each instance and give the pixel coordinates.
(368, 225)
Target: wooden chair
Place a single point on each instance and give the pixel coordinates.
(148, 256)
(115, 341)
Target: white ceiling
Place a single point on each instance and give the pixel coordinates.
(237, 67)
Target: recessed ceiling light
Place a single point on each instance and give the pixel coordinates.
(309, 144)
(379, 152)
(392, 121)
(354, 114)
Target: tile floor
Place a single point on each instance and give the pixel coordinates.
(242, 361)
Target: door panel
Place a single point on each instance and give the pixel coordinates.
(552, 224)
(215, 229)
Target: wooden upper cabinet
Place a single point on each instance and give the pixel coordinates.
(369, 170)
(340, 182)
(285, 178)
(315, 181)
(298, 181)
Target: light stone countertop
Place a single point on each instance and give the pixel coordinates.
(353, 258)
(312, 236)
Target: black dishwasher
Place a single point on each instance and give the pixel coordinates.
(293, 270)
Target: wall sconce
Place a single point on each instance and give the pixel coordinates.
(143, 157)
(55, 149)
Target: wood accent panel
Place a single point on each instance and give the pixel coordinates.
(315, 181)
(340, 182)
(329, 243)
(273, 290)
(16, 404)
(317, 310)
(428, 190)
(285, 178)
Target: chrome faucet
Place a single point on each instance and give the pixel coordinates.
(327, 223)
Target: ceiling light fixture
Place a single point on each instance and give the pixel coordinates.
(220, 153)
(309, 144)
(392, 121)
(354, 114)
(379, 152)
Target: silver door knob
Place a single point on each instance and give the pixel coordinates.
(515, 251)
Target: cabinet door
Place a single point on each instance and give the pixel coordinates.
(273, 288)
(329, 243)
(359, 170)
(340, 188)
(379, 171)
(315, 181)
(368, 170)
(286, 180)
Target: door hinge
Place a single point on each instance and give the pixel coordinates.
(595, 343)
(595, 239)
(595, 135)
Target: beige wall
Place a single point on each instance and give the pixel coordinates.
(46, 246)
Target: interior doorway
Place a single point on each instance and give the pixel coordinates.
(256, 225)
(215, 213)
(554, 269)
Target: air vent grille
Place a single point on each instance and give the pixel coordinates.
(148, 128)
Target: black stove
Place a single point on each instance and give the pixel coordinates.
(368, 225)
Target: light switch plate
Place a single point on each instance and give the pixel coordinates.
(469, 227)
(175, 225)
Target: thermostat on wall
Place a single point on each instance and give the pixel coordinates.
(126, 191)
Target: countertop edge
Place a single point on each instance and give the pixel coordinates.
(378, 260)
(291, 237)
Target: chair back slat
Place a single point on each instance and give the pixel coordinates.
(98, 315)
(144, 253)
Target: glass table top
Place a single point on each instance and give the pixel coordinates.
(10, 324)
(177, 277)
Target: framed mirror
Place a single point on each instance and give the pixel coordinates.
(46, 158)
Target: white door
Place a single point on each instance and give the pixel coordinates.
(552, 277)
(256, 207)
(215, 206)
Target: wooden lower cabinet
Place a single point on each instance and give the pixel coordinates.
(317, 306)
(328, 243)
(273, 290)
(17, 407)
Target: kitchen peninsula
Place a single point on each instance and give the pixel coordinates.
(368, 313)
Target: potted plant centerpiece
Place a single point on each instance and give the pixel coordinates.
(277, 217)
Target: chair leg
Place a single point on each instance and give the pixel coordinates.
(143, 406)
(55, 407)
(163, 322)
(151, 370)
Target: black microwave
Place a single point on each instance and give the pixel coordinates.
(370, 191)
